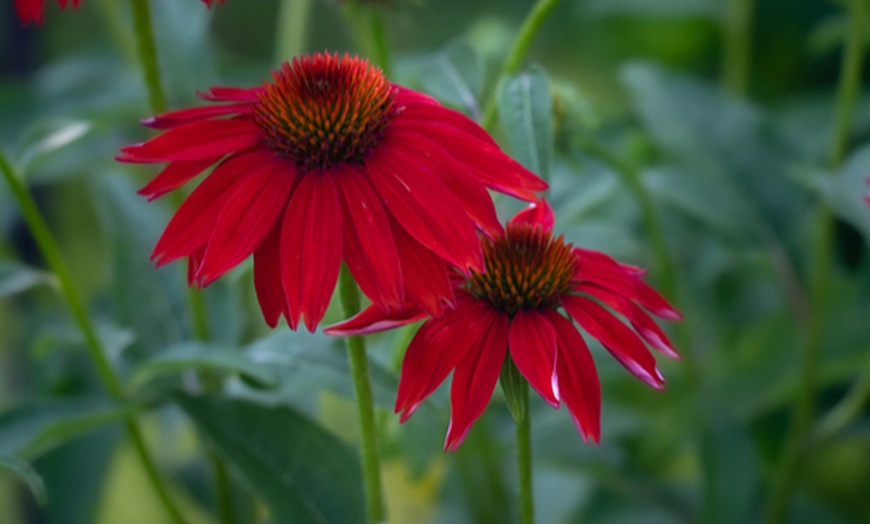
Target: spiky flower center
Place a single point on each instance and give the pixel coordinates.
(322, 109)
(526, 269)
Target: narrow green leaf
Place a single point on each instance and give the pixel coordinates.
(302, 472)
(525, 107)
(204, 358)
(30, 430)
(455, 76)
(15, 278)
(48, 136)
(28, 474)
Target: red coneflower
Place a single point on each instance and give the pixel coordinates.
(33, 10)
(512, 311)
(329, 162)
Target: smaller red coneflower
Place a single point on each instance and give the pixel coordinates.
(511, 310)
(34, 10)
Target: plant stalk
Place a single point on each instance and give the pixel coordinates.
(524, 460)
(292, 31)
(142, 28)
(737, 35)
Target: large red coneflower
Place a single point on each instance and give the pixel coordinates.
(33, 10)
(512, 311)
(328, 162)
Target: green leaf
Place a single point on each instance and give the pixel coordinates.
(204, 358)
(525, 107)
(708, 8)
(302, 472)
(730, 470)
(48, 136)
(32, 429)
(456, 76)
(26, 473)
(15, 278)
(845, 190)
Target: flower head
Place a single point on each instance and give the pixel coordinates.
(33, 10)
(512, 310)
(328, 162)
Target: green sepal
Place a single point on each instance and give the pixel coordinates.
(515, 388)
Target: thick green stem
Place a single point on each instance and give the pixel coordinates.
(292, 31)
(737, 36)
(359, 368)
(53, 257)
(804, 401)
(524, 461)
(148, 54)
(515, 57)
(664, 264)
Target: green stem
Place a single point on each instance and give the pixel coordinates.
(515, 57)
(804, 401)
(223, 491)
(148, 54)
(849, 408)
(664, 264)
(292, 31)
(359, 368)
(524, 460)
(366, 23)
(53, 257)
(737, 35)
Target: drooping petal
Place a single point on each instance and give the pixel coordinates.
(198, 140)
(532, 343)
(536, 214)
(193, 223)
(311, 241)
(474, 381)
(267, 277)
(247, 218)
(642, 323)
(494, 168)
(424, 274)
(427, 210)
(176, 118)
(173, 176)
(628, 285)
(373, 319)
(437, 349)
(369, 249)
(461, 181)
(30, 10)
(577, 377)
(420, 106)
(231, 94)
(616, 337)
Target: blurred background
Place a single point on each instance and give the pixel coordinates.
(692, 137)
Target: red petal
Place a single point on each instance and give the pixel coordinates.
(424, 274)
(200, 140)
(172, 177)
(423, 107)
(616, 337)
(182, 116)
(642, 323)
(247, 218)
(369, 249)
(628, 285)
(426, 209)
(373, 319)
(474, 381)
(536, 214)
(461, 182)
(193, 223)
(193, 262)
(494, 168)
(311, 248)
(267, 277)
(532, 343)
(437, 348)
(577, 377)
(231, 94)
(30, 10)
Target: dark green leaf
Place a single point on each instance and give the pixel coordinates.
(302, 472)
(202, 357)
(455, 76)
(26, 473)
(730, 469)
(15, 278)
(525, 107)
(845, 190)
(32, 429)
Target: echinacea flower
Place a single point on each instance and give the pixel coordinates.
(329, 161)
(512, 310)
(33, 10)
